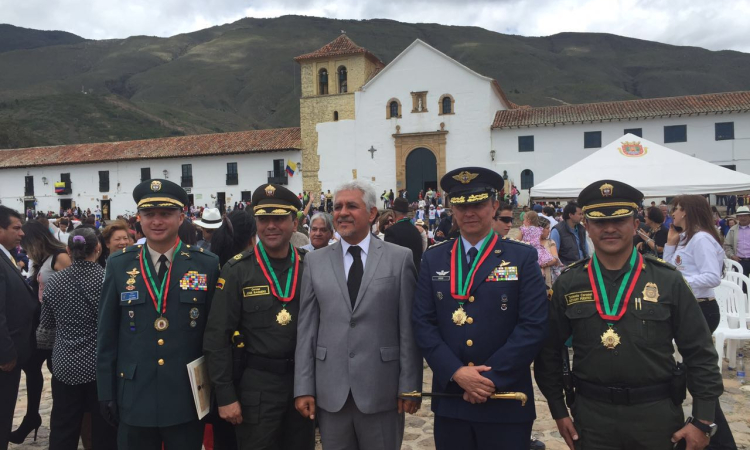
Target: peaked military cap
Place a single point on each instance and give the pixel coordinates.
(275, 200)
(468, 185)
(609, 199)
(157, 193)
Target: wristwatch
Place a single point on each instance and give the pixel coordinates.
(710, 430)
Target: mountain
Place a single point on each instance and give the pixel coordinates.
(242, 75)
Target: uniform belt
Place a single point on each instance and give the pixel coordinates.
(273, 365)
(705, 299)
(622, 395)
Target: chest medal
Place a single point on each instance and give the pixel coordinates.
(285, 295)
(610, 339)
(459, 316)
(283, 317)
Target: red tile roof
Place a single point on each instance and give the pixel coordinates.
(629, 109)
(256, 141)
(342, 45)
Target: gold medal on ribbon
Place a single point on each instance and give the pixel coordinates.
(459, 316)
(283, 317)
(610, 339)
(161, 323)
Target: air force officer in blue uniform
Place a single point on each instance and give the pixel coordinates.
(480, 315)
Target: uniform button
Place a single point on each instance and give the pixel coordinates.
(650, 311)
(352, 324)
(469, 320)
(471, 364)
(122, 375)
(160, 342)
(578, 310)
(616, 353)
(161, 362)
(351, 355)
(257, 307)
(471, 299)
(195, 299)
(469, 342)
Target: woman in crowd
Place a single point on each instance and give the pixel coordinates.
(188, 233)
(694, 247)
(420, 227)
(115, 236)
(531, 232)
(653, 242)
(48, 256)
(235, 235)
(70, 306)
(552, 268)
(384, 221)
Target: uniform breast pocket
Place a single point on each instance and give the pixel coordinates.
(258, 311)
(131, 311)
(582, 319)
(192, 310)
(654, 323)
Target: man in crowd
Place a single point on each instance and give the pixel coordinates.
(155, 301)
(548, 212)
(570, 236)
(18, 306)
(628, 390)
(480, 317)
(667, 217)
(259, 296)
(403, 232)
(210, 221)
(321, 231)
(737, 242)
(502, 221)
(355, 348)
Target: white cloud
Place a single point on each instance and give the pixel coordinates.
(713, 25)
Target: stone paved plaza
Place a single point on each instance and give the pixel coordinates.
(418, 434)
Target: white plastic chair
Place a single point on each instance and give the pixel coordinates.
(729, 297)
(744, 283)
(730, 266)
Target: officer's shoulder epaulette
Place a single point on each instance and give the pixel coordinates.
(131, 250)
(302, 252)
(515, 241)
(240, 256)
(196, 249)
(575, 264)
(438, 244)
(659, 261)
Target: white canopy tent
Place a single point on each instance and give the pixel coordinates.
(655, 170)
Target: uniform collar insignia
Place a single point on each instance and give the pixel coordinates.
(442, 273)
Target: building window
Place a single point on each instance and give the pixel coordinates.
(636, 131)
(419, 102)
(104, 181)
(335, 116)
(393, 109)
(232, 176)
(724, 131)
(675, 133)
(592, 139)
(278, 175)
(527, 179)
(525, 143)
(447, 104)
(323, 82)
(28, 190)
(145, 174)
(187, 175)
(67, 187)
(247, 196)
(342, 80)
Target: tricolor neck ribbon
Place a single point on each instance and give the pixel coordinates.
(607, 311)
(460, 284)
(158, 293)
(291, 279)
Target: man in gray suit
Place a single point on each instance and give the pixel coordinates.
(355, 347)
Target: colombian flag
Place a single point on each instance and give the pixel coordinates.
(290, 167)
(59, 187)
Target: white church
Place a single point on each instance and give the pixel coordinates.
(400, 126)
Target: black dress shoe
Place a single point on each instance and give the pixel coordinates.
(536, 444)
(29, 424)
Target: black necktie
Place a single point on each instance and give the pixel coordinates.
(355, 273)
(472, 255)
(163, 262)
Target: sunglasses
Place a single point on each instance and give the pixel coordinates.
(505, 219)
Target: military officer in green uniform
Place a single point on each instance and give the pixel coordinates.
(258, 296)
(153, 310)
(623, 310)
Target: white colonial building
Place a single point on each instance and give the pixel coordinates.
(401, 126)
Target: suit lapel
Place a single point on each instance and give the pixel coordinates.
(337, 261)
(374, 252)
(494, 258)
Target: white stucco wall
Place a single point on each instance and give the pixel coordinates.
(558, 147)
(209, 177)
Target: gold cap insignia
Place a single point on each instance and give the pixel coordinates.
(465, 177)
(270, 190)
(607, 190)
(651, 293)
(156, 186)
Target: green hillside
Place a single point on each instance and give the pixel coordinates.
(242, 75)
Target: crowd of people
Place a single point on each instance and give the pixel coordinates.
(319, 309)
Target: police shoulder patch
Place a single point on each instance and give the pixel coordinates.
(659, 261)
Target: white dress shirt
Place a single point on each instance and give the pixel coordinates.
(701, 261)
(349, 259)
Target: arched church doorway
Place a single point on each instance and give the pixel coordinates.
(421, 172)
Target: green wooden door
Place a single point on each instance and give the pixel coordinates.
(421, 172)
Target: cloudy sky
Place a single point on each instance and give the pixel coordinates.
(716, 25)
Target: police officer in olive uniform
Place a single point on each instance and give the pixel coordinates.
(258, 296)
(154, 305)
(623, 310)
(480, 317)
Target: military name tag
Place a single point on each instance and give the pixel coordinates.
(255, 291)
(439, 278)
(128, 296)
(503, 273)
(579, 297)
(194, 281)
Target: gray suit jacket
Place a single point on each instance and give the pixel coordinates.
(369, 350)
